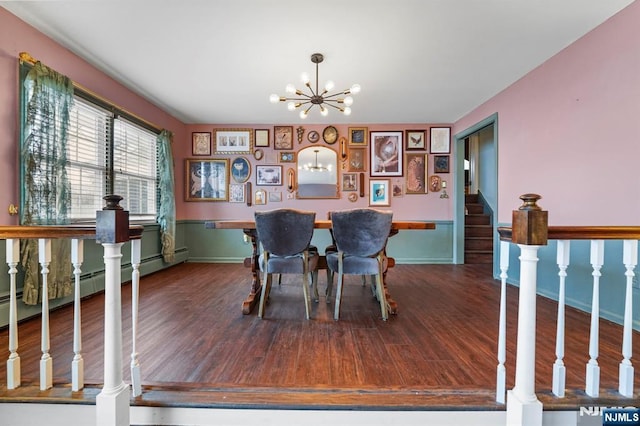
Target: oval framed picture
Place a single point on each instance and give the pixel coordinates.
(240, 169)
(258, 154)
(313, 136)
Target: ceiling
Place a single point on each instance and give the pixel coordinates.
(217, 61)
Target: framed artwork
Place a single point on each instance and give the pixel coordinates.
(236, 193)
(207, 180)
(358, 136)
(240, 169)
(441, 164)
(268, 175)
(349, 181)
(258, 154)
(234, 141)
(379, 192)
(201, 143)
(397, 189)
(440, 139)
(262, 137)
(386, 154)
(260, 197)
(288, 157)
(357, 159)
(283, 137)
(416, 173)
(435, 183)
(416, 140)
(275, 197)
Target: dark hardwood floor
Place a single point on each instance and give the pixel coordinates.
(197, 349)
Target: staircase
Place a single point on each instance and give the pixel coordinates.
(478, 232)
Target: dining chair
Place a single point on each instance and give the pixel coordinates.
(361, 237)
(284, 235)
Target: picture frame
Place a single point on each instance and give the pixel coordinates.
(416, 177)
(357, 160)
(233, 141)
(283, 137)
(261, 137)
(386, 153)
(240, 169)
(275, 197)
(415, 140)
(287, 157)
(201, 143)
(441, 164)
(206, 180)
(236, 193)
(379, 192)
(260, 197)
(349, 182)
(435, 183)
(269, 175)
(440, 140)
(358, 136)
(397, 189)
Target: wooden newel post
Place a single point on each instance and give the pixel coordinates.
(529, 231)
(112, 231)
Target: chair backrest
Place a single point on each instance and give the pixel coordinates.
(361, 232)
(285, 232)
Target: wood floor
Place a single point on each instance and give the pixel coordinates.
(197, 349)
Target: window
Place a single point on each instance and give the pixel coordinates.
(101, 146)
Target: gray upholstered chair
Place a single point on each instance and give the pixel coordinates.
(361, 237)
(284, 235)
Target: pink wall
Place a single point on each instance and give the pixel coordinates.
(16, 37)
(569, 130)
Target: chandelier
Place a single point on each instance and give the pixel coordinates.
(315, 166)
(297, 99)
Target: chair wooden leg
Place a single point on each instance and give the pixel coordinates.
(329, 285)
(305, 291)
(336, 313)
(266, 286)
(314, 285)
(381, 297)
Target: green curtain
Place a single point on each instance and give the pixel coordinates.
(48, 99)
(167, 211)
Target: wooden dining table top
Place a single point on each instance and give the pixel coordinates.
(319, 224)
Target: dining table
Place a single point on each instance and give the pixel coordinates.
(248, 227)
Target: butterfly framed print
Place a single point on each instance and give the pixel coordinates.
(415, 140)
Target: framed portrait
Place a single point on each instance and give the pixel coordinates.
(441, 164)
(357, 159)
(349, 181)
(268, 175)
(207, 180)
(358, 136)
(416, 173)
(275, 197)
(234, 141)
(386, 154)
(415, 140)
(440, 139)
(379, 192)
(201, 143)
(288, 157)
(262, 137)
(397, 189)
(240, 169)
(260, 197)
(435, 183)
(283, 137)
(236, 193)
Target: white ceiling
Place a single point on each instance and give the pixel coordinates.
(218, 61)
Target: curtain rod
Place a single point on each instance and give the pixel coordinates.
(26, 57)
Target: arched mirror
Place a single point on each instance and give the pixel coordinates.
(317, 173)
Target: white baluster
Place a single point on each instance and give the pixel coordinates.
(501, 376)
(523, 406)
(592, 387)
(77, 365)
(630, 260)
(46, 362)
(559, 370)
(13, 363)
(135, 289)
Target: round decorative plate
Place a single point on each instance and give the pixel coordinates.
(330, 135)
(353, 197)
(313, 136)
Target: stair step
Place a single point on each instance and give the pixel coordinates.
(474, 208)
(478, 243)
(471, 198)
(478, 257)
(478, 231)
(477, 219)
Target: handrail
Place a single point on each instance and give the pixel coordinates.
(582, 233)
(60, 231)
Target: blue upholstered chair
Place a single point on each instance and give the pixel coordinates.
(285, 235)
(361, 237)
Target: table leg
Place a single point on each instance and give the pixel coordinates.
(256, 287)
